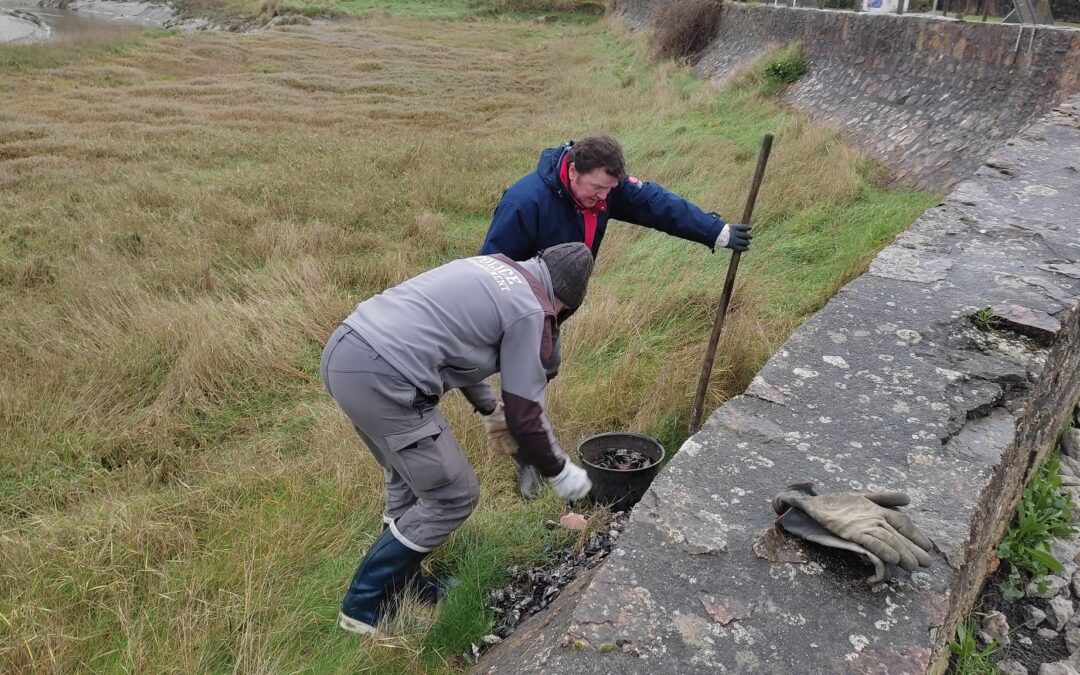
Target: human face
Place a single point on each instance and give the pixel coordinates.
(591, 188)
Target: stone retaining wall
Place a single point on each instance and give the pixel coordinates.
(927, 97)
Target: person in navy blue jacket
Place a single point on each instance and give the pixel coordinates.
(577, 188)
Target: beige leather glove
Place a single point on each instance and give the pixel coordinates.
(499, 439)
(863, 519)
(801, 525)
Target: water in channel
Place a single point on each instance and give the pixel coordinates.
(26, 21)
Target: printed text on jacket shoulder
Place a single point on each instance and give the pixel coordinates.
(504, 275)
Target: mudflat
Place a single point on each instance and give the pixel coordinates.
(18, 26)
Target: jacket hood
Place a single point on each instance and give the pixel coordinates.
(548, 169)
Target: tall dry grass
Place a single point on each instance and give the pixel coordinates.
(182, 225)
(685, 28)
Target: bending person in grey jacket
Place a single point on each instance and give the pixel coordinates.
(395, 356)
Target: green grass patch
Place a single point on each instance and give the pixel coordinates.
(967, 657)
(783, 67)
(555, 11)
(478, 557)
(812, 253)
(21, 58)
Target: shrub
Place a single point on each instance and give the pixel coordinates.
(784, 68)
(685, 28)
(771, 71)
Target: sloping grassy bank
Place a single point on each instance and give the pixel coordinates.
(182, 223)
(244, 12)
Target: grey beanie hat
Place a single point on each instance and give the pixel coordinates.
(570, 266)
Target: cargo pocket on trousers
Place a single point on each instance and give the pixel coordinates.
(423, 457)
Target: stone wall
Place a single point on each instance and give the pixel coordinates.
(927, 97)
(890, 386)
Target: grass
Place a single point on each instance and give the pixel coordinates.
(184, 220)
(1044, 514)
(772, 71)
(109, 42)
(967, 657)
(237, 11)
(783, 66)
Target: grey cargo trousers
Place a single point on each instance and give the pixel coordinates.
(430, 487)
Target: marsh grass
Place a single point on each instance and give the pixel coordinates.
(86, 44)
(184, 221)
(560, 11)
(685, 28)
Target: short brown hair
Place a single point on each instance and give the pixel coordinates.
(598, 152)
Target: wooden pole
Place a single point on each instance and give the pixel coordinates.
(725, 296)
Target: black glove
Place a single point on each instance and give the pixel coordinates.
(735, 236)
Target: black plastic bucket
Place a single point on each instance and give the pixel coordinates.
(619, 488)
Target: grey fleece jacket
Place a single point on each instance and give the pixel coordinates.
(456, 325)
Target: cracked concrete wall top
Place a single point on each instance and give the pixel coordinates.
(890, 386)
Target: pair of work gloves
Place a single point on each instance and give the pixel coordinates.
(864, 523)
(571, 484)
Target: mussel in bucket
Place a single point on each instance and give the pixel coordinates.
(621, 465)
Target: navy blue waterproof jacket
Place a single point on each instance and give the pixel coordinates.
(539, 211)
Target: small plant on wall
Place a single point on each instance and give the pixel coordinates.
(984, 319)
(773, 70)
(786, 66)
(1044, 514)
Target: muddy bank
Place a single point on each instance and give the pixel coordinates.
(28, 21)
(156, 14)
(18, 27)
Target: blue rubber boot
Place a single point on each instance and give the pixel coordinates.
(386, 570)
(429, 590)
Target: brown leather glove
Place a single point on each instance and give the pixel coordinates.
(796, 522)
(860, 519)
